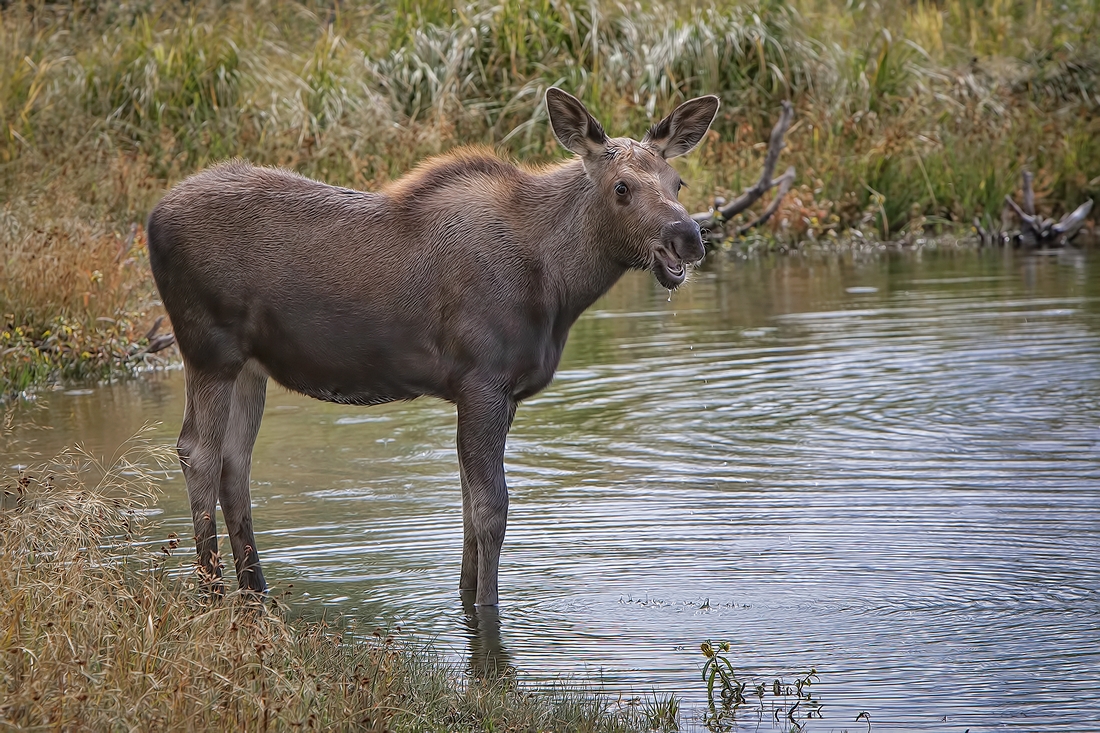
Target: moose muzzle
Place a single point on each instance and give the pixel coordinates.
(681, 243)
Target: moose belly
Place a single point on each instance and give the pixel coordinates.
(348, 361)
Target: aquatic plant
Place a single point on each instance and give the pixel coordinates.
(791, 703)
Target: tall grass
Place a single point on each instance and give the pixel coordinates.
(909, 115)
(101, 630)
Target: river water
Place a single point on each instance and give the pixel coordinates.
(883, 466)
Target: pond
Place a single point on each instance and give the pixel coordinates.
(884, 466)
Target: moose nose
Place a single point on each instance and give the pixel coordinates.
(684, 238)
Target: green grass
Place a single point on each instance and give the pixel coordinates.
(910, 117)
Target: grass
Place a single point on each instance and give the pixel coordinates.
(910, 117)
(104, 630)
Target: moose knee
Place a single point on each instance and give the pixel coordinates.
(234, 467)
(491, 514)
(197, 458)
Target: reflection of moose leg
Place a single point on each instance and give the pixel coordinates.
(483, 422)
(245, 413)
(488, 657)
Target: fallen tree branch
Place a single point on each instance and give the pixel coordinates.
(155, 343)
(784, 182)
(722, 212)
(1035, 231)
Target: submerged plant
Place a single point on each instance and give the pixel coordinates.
(792, 702)
(717, 667)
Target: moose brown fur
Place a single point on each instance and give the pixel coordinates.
(460, 281)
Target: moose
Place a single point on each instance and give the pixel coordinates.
(459, 281)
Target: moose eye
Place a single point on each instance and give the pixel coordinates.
(620, 188)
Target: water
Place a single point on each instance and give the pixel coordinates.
(881, 466)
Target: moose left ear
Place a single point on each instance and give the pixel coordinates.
(682, 130)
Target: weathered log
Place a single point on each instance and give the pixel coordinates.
(721, 212)
(1035, 230)
(155, 343)
(1072, 223)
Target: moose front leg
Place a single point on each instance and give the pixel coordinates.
(468, 580)
(483, 423)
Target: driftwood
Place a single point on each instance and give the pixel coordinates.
(1035, 231)
(155, 343)
(721, 212)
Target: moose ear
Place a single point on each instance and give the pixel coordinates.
(682, 130)
(573, 126)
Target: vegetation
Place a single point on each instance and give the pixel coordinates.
(790, 703)
(103, 630)
(909, 116)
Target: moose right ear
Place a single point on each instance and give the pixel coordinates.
(573, 126)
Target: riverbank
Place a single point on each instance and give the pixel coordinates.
(909, 121)
(104, 629)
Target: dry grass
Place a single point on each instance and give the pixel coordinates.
(102, 629)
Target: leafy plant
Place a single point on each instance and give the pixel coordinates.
(791, 703)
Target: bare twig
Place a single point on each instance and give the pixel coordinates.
(784, 182)
(722, 212)
(1036, 231)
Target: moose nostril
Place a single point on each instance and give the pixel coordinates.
(686, 240)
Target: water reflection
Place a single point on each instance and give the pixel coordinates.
(487, 658)
(884, 467)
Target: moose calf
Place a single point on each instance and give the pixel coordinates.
(460, 281)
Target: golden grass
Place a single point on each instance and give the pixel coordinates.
(102, 629)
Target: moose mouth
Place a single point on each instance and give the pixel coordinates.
(669, 269)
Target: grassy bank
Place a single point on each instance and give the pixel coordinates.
(103, 631)
(910, 117)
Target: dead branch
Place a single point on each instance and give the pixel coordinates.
(784, 182)
(160, 343)
(156, 327)
(1035, 231)
(155, 343)
(1029, 194)
(722, 212)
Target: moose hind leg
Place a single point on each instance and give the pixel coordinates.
(483, 425)
(200, 452)
(245, 412)
(468, 579)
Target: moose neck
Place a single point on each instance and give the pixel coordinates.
(578, 253)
